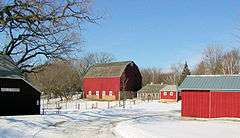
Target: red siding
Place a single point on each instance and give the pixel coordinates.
(101, 84)
(168, 96)
(195, 103)
(205, 104)
(225, 104)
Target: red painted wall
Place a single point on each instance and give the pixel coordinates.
(205, 104)
(168, 96)
(195, 104)
(225, 104)
(101, 84)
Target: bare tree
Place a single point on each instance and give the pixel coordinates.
(151, 75)
(42, 29)
(200, 69)
(91, 59)
(213, 58)
(231, 62)
(175, 73)
(58, 79)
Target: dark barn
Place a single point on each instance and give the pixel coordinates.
(17, 96)
(112, 81)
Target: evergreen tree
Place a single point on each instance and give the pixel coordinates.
(184, 74)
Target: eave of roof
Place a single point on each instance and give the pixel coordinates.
(211, 82)
(170, 88)
(20, 78)
(151, 88)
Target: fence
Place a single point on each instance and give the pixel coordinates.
(55, 106)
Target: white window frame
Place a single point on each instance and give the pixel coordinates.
(89, 92)
(110, 93)
(171, 93)
(97, 93)
(37, 102)
(103, 93)
(10, 89)
(165, 93)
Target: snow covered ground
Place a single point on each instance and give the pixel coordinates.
(144, 119)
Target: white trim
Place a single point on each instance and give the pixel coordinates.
(97, 93)
(110, 93)
(89, 92)
(103, 93)
(10, 90)
(164, 93)
(20, 78)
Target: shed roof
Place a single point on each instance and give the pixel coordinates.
(8, 67)
(211, 82)
(170, 88)
(114, 69)
(9, 70)
(152, 88)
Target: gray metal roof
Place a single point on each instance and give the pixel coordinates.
(211, 82)
(151, 88)
(8, 67)
(114, 69)
(9, 70)
(170, 88)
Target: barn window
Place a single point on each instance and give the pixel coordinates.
(110, 93)
(103, 93)
(37, 102)
(171, 93)
(10, 89)
(89, 93)
(165, 93)
(97, 93)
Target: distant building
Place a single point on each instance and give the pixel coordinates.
(17, 96)
(112, 81)
(150, 92)
(211, 96)
(169, 93)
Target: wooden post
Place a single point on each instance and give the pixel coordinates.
(108, 104)
(43, 111)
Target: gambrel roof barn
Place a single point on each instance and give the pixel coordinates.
(106, 81)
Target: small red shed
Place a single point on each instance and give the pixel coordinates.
(211, 96)
(112, 81)
(169, 93)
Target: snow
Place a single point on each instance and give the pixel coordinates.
(138, 120)
(164, 121)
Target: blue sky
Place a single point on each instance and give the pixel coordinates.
(158, 33)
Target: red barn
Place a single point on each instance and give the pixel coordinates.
(169, 93)
(211, 96)
(108, 81)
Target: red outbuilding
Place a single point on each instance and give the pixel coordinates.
(112, 81)
(211, 96)
(169, 93)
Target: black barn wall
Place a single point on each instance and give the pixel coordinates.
(18, 103)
